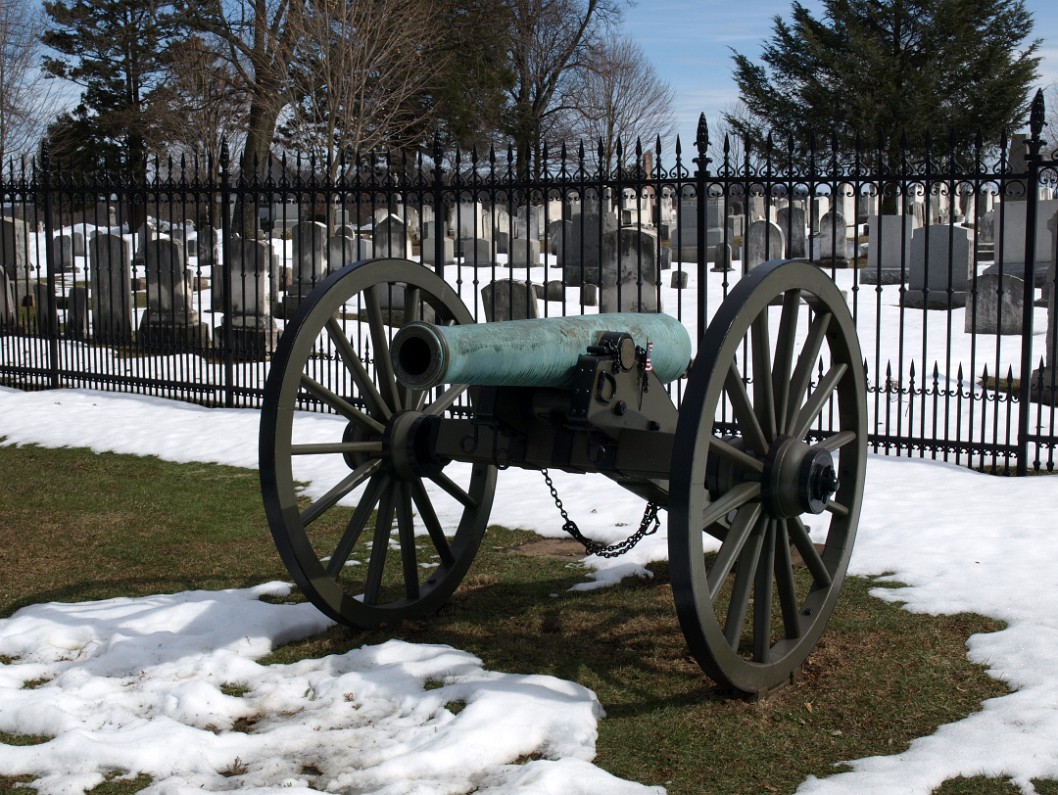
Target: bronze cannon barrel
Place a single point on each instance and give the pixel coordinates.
(541, 352)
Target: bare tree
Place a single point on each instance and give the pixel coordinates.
(258, 38)
(360, 71)
(203, 98)
(1050, 128)
(26, 99)
(549, 41)
(621, 98)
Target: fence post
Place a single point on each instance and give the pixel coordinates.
(701, 174)
(1032, 158)
(225, 266)
(51, 329)
(438, 209)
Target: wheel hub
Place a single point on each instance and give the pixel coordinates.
(798, 479)
(407, 446)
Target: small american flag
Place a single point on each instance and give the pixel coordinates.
(650, 349)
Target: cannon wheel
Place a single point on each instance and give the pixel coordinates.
(760, 437)
(333, 358)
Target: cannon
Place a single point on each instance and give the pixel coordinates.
(761, 467)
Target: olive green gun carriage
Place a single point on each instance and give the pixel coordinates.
(383, 372)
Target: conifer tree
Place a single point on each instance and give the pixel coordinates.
(115, 50)
(890, 67)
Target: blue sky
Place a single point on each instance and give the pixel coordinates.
(690, 43)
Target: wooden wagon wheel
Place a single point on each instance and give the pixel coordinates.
(357, 564)
(769, 458)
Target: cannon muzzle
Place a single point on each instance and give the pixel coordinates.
(541, 352)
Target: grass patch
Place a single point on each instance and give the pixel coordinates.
(6, 738)
(116, 784)
(112, 525)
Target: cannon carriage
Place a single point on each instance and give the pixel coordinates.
(760, 468)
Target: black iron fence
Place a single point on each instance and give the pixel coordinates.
(177, 282)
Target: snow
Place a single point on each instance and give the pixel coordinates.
(120, 684)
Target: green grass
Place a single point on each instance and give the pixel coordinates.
(109, 525)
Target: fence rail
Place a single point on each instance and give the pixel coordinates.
(176, 283)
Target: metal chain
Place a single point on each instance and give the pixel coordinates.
(648, 526)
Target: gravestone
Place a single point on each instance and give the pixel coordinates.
(78, 243)
(679, 280)
(476, 252)
(171, 322)
(791, 220)
(62, 252)
(429, 250)
(392, 303)
(764, 241)
(1045, 379)
(252, 281)
(208, 247)
(144, 235)
(14, 243)
(941, 261)
(8, 312)
(308, 246)
(343, 249)
(508, 299)
(472, 222)
(820, 206)
(47, 321)
(833, 245)
(529, 222)
(113, 314)
(502, 239)
(390, 238)
(581, 257)
(629, 272)
(76, 327)
(554, 290)
(1011, 237)
(995, 305)
(888, 249)
(524, 253)
(559, 233)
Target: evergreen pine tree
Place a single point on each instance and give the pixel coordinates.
(115, 50)
(891, 67)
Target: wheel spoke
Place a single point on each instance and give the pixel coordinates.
(379, 546)
(380, 342)
(809, 554)
(453, 489)
(406, 534)
(433, 526)
(445, 400)
(806, 363)
(325, 448)
(731, 500)
(784, 581)
(742, 406)
(837, 508)
(356, 525)
(763, 396)
(784, 355)
(356, 368)
(762, 593)
(745, 575)
(837, 440)
(745, 520)
(343, 487)
(340, 404)
(736, 456)
(819, 397)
